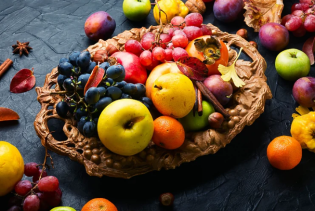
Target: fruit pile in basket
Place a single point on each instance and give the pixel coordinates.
(113, 94)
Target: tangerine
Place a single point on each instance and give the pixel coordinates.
(168, 132)
(284, 152)
(99, 204)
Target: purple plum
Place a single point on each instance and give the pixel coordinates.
(304, 91)
(99, 25)
(222, 90)
(274, 36)
(227, 10)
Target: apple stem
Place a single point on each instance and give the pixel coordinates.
(293, 54)
(159, 87)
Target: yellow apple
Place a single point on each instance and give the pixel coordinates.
(125, 127)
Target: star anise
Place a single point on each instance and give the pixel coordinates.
(21, 48)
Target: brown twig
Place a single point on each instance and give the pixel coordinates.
(5, 66)
(216, 104)
(199, 98)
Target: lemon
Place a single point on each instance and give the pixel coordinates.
(11, 167)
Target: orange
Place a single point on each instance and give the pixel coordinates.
(99, 204)
(168, 132)
(284, 152)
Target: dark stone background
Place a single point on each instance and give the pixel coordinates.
(238, 177)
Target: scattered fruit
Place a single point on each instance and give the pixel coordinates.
(284, 152)
(274, 36)
(99, 25)
(99, 204)
(194, 122)
(242, 33)
(173, 94)
(172, 8)
(136, 10)
(304, 91)
(292, 64)
(215, 120)
(227, 10)
(12, 167)
(166, 199)
(125, 127)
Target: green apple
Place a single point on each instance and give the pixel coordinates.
(136, 10)
(292, 64)
(125, 127)
(194, 123)
(63, 208)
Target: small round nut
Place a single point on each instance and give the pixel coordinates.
(253, 43)
(96, 159)
(242, 33)
(215, 120)
(100, 56)
(166, 199)
(87, 154)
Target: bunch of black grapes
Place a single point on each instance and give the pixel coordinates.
(74, 73)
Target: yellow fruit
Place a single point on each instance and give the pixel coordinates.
(11, 167)
(125, 127)
(172, 8)
(173, 94)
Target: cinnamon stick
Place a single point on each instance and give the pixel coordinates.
(216, 104)
(199, 97)
(5, 66)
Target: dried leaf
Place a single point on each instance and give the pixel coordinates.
(229, 73)
(23, 81)
(95, 78)
(309, 48)
(7, 114)
(260, 12)
(193, 68)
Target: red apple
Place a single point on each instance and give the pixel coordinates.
(135, 72)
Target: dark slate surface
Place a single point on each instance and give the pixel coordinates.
(238, 177)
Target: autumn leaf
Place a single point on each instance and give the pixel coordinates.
(193, 68)
(7, 114)
(95, 78)
(260, 12)
(23, 81)
(309, 48)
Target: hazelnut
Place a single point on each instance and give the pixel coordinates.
(100, 56)
(253, 43)
(111, 49)
(242, 33)
(166, 199)
(215, 120)
(196, 6)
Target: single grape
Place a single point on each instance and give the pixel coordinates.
(179, 32)
(121, 84)
(140, 90)
(109, 82)
(309, 23)
(36, 177)
(177, 20)
(146, 105)
(227, 10)
(300, 32)
(104, 65)
(146, 58)
(60, 80)
(194, 19)
(15, 208)
(91, 67)
(115, 71)
(206, 30)
(293, 23)
(102, 91)
(89, 129)
(31, 169)
(180, 41)
(133, 46)
(114, 92)
(125, 96)
(73, 57)
(121, 77)
(23, 187)
(172, 30)
(179, 53)
(286, 18)
(62, 109)
(51, 198)
(81, 123)
(158, 53)
(153, 64)
(31, 203)
(170, 46)
(147, 101)
(80, 112)
(147, 40)
(168, 54)
(192, 32)
(164, 39)
(84, 59)
(92, 95)
(130, 89)
(65, 68)
(48, 184)
(62, 60)
(299, 6)
(299, 13)
(83, 79)
(68, 84)
(102, 103)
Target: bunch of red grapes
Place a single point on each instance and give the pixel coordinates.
(301, 19)
(169, 46)
(39, 195)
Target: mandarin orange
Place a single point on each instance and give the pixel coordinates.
(99, 204)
